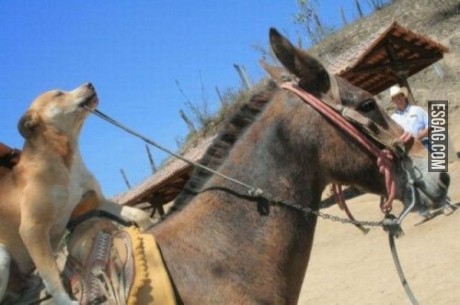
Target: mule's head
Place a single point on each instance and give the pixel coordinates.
(342, 160)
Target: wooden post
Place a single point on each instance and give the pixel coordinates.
(342, 13)
(400, 74)
(221, 99)
(187, 121)
(152, 163)
(243, 75)
(402, 80)
(125, 178)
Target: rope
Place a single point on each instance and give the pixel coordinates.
(404, 282)
(252, 190)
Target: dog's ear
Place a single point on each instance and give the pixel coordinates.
(27, 123)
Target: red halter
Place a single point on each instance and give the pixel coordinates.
(384, 156)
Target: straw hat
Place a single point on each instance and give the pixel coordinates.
(395, 90)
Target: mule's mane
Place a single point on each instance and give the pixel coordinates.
(223, 143)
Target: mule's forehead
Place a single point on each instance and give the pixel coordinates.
(350, 93)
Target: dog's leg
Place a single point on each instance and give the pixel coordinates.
(5, 260)
(36, 239)
(127, 213)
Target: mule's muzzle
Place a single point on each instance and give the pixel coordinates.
(437, 200)
(445, 179)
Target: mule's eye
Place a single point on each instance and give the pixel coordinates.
(367, 106)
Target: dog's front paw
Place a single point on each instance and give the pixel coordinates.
(144, 222)
(142, 219)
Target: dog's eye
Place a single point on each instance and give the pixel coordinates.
(367, 106)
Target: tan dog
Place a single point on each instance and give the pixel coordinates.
(38, 197)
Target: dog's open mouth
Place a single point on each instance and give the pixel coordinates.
(91, 101)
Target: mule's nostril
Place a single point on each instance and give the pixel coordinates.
(90, 86)
(445, 178)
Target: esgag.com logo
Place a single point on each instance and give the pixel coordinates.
(438, 136)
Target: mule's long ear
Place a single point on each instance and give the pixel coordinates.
(313, 76)
(278, 74)
(27, 124)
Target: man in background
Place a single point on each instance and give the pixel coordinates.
(414, 120)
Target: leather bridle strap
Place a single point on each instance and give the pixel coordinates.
(384, 156)
(367, 126)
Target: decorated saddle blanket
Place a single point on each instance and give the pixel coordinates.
(106, 265)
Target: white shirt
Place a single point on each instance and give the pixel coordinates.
(413, 119)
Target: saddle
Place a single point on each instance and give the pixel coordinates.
(108, 265)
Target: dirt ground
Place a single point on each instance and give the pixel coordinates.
(348, 267)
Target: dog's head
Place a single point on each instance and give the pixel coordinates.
(59, 110)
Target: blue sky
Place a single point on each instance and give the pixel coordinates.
(133, 52)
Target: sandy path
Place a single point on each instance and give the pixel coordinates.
(347, 267)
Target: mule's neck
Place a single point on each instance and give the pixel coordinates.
(228, 239)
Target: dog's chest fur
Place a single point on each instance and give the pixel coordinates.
(67, 198)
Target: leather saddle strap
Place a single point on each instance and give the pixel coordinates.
(96, 213)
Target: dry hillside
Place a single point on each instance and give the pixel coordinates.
(440, 20)
(347, 267)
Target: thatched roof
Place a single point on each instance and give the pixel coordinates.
(167, 182)
(374, 64)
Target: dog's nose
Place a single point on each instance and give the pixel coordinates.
(445, 179)
(90, 86)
